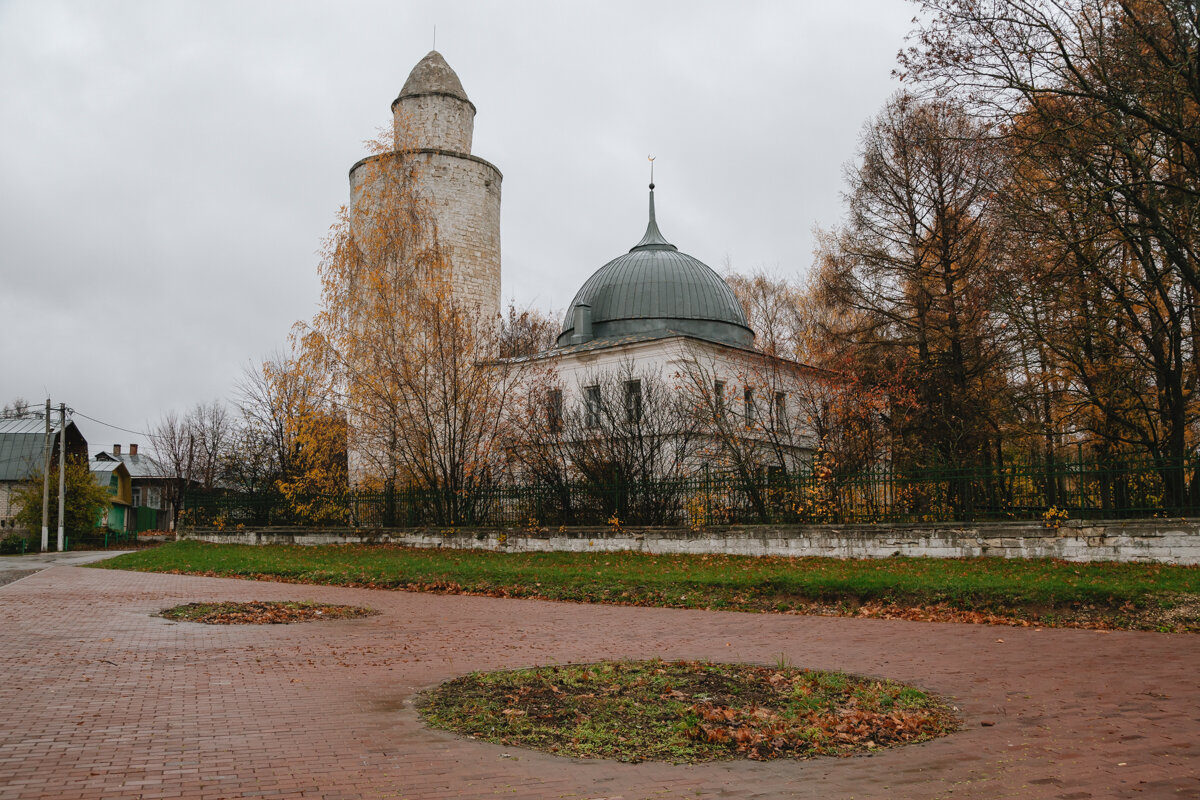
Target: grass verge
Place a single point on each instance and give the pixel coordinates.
(686, 711)
(985, 590)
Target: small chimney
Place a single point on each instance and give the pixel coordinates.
(116, 449)
(582, 324)
(132, 449)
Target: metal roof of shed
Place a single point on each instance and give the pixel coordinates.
(23, 447)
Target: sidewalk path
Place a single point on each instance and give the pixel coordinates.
(13, 568)
(100, 699)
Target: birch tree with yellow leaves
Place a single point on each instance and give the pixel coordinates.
(413, 367)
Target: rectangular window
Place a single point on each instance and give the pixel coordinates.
(137, 496)
(751, 411)
(780, 409)
(633, 402)
(719, 399)
(554, 410)
(591, 406)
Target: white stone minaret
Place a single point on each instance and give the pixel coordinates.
(465, 189)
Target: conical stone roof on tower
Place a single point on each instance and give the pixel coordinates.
(432, 75)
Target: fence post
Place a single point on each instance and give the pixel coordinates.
(708, 501)
(1082, 488)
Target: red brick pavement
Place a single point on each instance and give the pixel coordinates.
(98, 699)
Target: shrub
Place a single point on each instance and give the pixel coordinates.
(14, 542)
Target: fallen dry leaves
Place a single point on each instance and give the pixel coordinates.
(261, 612)
(1179, 619)
(687, 711)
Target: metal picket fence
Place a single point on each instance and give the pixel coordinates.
(1075, 490)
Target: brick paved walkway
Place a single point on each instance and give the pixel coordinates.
(100, 699)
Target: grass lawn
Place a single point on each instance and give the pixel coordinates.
(995, 590)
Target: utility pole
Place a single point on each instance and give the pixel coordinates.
(62, 471)
(46, 485)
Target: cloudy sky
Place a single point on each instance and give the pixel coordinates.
(168, 169)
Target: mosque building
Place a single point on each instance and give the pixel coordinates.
(653, 310)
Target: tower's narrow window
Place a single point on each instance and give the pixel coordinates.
(780, 420)
(748, 407)
(719, 400)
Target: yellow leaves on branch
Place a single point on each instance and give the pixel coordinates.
(410, 365)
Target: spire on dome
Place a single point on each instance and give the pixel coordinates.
(653, 240)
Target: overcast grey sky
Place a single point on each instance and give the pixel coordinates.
(168, 169)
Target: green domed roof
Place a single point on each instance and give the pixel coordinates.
(654, 287)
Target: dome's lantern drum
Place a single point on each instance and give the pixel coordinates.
(654, 288)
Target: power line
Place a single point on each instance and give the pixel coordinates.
(40, 415)
(110, 425)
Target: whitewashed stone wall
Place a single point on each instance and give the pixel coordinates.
(8, 511)
(436, 121)
(670, 360)
(466, 199)
(465, 192)
(1155, 541)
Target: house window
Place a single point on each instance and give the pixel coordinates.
(719, 399)
(591, 406)
(780, 409)
(136, 497)
(751, 411)
(554, 410)
(633, 402)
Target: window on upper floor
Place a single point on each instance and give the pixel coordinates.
(719, 399)
(591, 406)
(749, 409)
(554, 410)
(633, 402)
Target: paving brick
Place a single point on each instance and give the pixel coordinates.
(101, 699)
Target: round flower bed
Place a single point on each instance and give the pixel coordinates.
(262, 612)
(686, 711)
